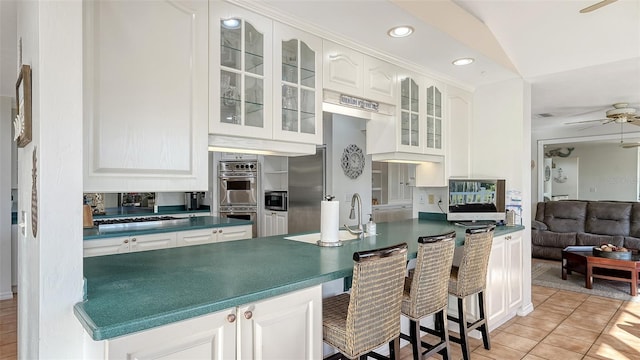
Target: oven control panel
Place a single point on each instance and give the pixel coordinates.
(238, 166)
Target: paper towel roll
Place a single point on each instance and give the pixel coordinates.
(329, 221)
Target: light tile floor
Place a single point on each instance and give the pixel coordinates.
(565, 325)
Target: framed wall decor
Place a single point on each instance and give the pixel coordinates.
(22, 122)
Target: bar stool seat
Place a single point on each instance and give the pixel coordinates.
(425, 294)
(470, 278)
(369, 317)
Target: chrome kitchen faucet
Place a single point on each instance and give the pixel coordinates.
(359, 230)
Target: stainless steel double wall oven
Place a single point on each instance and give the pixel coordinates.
(238, 191)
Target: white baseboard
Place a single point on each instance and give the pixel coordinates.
(6, 295)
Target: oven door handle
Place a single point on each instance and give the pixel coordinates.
(235, 177)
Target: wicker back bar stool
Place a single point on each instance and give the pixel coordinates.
(470, 278)
(425, 293)
(369, 317)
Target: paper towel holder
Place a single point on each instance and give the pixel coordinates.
(332, 243)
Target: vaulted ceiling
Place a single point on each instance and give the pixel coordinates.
(578, 64)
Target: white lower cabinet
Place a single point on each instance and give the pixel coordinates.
(504, 291)
(283, 327)
(124, 244)
(274, 223)
(504, 279)
(152, 242)
(210, 336)
(208, 236)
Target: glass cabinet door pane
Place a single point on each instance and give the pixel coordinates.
(254, 50)
(230, 45)
(290, 61)
(405, 128)
(430, 100)
(415, 128)
(253, 105)
(430, 128)
(230, 98)
(307, 111)
(307, 66)
(404, 94)
(415, 104)
(438, 102)
(438, 134)
(289, 108)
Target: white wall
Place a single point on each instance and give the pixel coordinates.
(564, 176)
(346, 130)
(5, 198)
(50, 273)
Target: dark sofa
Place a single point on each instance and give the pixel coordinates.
(559, 224)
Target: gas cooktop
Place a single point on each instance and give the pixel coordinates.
(138, 223)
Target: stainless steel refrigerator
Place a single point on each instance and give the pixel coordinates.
(306, 191)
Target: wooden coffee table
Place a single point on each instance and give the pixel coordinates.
(581, 260)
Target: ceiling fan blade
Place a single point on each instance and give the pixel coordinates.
(603, 121)
(597, 6)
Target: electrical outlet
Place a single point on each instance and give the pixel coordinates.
(431, 199)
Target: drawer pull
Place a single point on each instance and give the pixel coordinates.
(231, 318)
(134, 240)
(126, 241)
(248, 314)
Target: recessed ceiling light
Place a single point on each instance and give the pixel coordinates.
(400, 31)
(232, 23)
(463, 61)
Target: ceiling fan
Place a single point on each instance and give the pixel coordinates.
(597, 6)
(621, 114)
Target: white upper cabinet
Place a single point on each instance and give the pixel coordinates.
(343, 69)
(379, 80)
(145, 96)
(434, 113)
(350, 72)
(241, 72)
(410, 112)
(297, 85)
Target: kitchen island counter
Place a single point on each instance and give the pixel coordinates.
(137, 291)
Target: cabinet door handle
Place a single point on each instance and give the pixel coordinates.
(220, 231)
(508, 237)
(126, 241)
(248, 314)
(133, 240)
(215, 231)
(231, 318)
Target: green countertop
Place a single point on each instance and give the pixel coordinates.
(136, 291)
(194, 223)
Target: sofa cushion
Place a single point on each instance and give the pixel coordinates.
(540, 211)
(634, 230)
(546, 252)
(565, 216)
(596, 240)
(631, 242)
(608, 218)
(552, 239)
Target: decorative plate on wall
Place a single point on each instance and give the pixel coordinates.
(352, 161)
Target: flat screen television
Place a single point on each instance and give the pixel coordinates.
(475, 200)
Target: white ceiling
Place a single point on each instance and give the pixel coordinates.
(578, 64)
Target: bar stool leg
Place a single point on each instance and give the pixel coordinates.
(462, 318)
(414, 333)
(441, 319)
(483, 328)
(394, 348)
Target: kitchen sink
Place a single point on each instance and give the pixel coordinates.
(343, 235)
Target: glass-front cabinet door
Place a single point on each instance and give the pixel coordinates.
(241, 72)
(297, 86)
(434, 112)
(409, 115)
